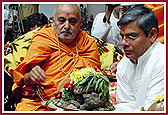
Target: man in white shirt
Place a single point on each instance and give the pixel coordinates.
(105, 25)
(140, 73)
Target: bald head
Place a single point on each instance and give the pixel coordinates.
(66, 7)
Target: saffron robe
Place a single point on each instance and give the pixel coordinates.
(44, 48)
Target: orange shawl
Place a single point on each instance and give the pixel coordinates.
(44, 48)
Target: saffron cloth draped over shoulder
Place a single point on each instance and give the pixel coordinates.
(44, 52)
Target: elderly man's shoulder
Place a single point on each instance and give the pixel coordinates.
(46, 30)
(87, 37)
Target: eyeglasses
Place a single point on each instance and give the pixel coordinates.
(128, 38)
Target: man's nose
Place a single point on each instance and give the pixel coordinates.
(67, 25)
(124, 42)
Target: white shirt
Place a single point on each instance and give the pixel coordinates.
(138, 85)
(99, 29)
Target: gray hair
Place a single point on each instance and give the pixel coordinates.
(145, 17)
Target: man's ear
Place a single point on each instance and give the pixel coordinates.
(153, 33)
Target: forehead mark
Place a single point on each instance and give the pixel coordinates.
(123, 30)
(67, 14)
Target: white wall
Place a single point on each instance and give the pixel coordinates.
(95, 9)
(47, 9)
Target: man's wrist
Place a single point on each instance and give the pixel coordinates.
(26, 78)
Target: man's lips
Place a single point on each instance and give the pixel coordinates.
(127, 51)
(66, 32)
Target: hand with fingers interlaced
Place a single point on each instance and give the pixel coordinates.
(35, 76)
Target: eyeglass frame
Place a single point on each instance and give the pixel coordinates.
(130, 37)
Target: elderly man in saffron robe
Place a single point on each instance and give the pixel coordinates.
(54, 53)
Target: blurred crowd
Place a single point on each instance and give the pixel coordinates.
(14, 27)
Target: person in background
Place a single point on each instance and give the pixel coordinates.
(125, 7)
(9, 34)
(140, 73)
(90, 23)
(91, 19)
(15, 25)
(6, 16)
(105, 25)
(53, 54)
(36, 20)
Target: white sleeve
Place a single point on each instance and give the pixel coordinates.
(99, 28)
(124, 95)
(156, 84)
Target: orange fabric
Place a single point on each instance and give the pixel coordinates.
(44, 48)
(158, 9)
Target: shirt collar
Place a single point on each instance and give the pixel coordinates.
(134, 61)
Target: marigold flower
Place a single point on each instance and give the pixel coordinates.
(80, 74)
(159, 97)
